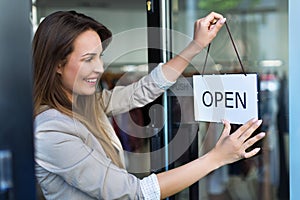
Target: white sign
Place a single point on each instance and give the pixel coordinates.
(233, 97)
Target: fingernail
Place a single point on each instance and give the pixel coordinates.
(262, 134)
(224, 121)
(222, 21)
(259, 122)
(254, 119)
(257, 149)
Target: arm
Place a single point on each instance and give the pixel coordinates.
(229, 149)
(124, 98)
(204, 33)
(147, 89)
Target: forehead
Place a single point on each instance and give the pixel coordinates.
(88, 41)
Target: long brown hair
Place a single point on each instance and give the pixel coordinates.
(52, 43)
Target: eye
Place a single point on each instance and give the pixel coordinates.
(89, 59)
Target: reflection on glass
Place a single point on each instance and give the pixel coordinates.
(6, 182)
(260, 31)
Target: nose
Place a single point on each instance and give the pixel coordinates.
(99, 66)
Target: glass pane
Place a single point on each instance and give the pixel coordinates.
(260, 32)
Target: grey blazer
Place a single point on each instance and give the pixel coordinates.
(70, 162)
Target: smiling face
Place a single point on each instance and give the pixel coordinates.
(84, 66)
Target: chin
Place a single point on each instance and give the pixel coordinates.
(87, 93)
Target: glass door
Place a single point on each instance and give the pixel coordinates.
(255, 30)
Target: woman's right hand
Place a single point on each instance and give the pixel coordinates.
(232, 147)
(206, 28)
(229, 148)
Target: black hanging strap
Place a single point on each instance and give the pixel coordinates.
(206, 58)
(235, 49)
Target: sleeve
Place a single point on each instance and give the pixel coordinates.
(124, 98)
(86, 169)
(159, 78)
(150, 187)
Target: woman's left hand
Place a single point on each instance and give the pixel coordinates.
(233, 147)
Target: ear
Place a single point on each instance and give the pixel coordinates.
(59, 69)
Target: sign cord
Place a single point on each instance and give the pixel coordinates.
(235, 49)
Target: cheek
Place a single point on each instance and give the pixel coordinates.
(70, 76)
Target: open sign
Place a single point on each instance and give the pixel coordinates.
(233, 97)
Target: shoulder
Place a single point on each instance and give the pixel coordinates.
(53, 120)
(59, 143)
(50, 114)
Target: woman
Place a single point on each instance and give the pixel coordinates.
(78, 155)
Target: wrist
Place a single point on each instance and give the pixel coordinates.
(195, 47)
(191, 50)
(216, 159)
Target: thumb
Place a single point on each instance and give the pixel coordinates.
(226, 130)
(216, 27)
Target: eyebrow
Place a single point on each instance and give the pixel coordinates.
(89, 54)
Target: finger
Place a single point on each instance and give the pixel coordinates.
(244, 127)
(251, 153)
(226, 129)
(253, 140)
(217, 25)
(214, 29)
(244, 136)
(209, 19)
